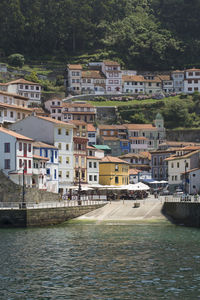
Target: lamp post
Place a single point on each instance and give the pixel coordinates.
(79, 186)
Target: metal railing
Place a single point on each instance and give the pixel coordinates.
(66, 203)
(182, 198)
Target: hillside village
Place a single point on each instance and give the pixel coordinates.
(62, 146)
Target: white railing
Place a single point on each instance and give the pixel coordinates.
(70, 203)
(184, 198)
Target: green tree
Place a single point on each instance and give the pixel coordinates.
(16, 60)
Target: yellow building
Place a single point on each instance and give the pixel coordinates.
(113, 171)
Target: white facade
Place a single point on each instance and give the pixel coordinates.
(92, 167)
(51, 153)
(192, 81)
(175, 170)
(55, 108)
(113, 74)
(74, 78)
(39, 178)
(193, 184)
(178, 81)
(133, 84)
(16, 153)
(28, 89)
(58, 133)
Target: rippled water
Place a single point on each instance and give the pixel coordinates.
(88, 261)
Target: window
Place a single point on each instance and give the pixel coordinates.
(5, 113)
(7, 164)
(48, 171)
(11, 114)
(26, 87)
(90, 164)
(116, 179)
(20, 163)
(55, 174)
(67, 146)
(83, 175)
(67, 174)
(7, 147)
(59, 131)
(116, 168)
(95, 177)
(60, 159)
(29, 164)
(193, 175)
(177, 164)
(189, 89)
(90, 177)
(29, 148)
(60, 174)
(67, 160)
(95, 164)
(67, 132)
(190, 73)
(172, 165)
(20, 146)
(59, 146)
(56, 154)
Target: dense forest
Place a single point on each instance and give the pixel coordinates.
(142, 34)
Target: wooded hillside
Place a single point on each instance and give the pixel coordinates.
(142, 34)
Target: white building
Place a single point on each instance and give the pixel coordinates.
(16, 153)
(55, 107)
(184, 160)
(91, 134)
(192, 81)
(133, 84)
(113, 74)
(178, 81)
(50, 152)
(92, 166)
(93, 82)
(74, 74)
(22, 87)
(167, 83)
(13, 107)
(192, 178)
(57, 133)
(152, 84)
(39, 177)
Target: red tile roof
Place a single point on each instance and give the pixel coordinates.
(133, 78)
(16, 107)
(40, 157)
(140, 126)
(111, 159)
(74, 67)
(15, 134)
(14, 95)
(91, 127)
(43, 145)
(21, 80)
(93, 74)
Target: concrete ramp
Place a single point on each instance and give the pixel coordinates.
(148, 209)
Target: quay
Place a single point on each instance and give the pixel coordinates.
(44, 214)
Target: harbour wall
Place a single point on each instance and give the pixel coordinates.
(42, 216)
(182, 213)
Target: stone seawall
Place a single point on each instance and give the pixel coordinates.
(42, 216)
(182, 213)
(186, 135)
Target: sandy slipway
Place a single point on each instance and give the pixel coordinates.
(149, 209)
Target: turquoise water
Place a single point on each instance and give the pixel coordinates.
(88, 261)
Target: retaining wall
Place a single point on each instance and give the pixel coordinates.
(182, 213)
(43, 216)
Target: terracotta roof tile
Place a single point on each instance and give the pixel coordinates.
(133, 78)
(14, 95)
(15, 134)
(93, 74)
(74, 67)
(17, 107)
(91, 127)
(111, 63)
(23, 81)
(43, 145)
(55, 121)
(40, 157)
(140, 127)
(111, 159)
(133, 171)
